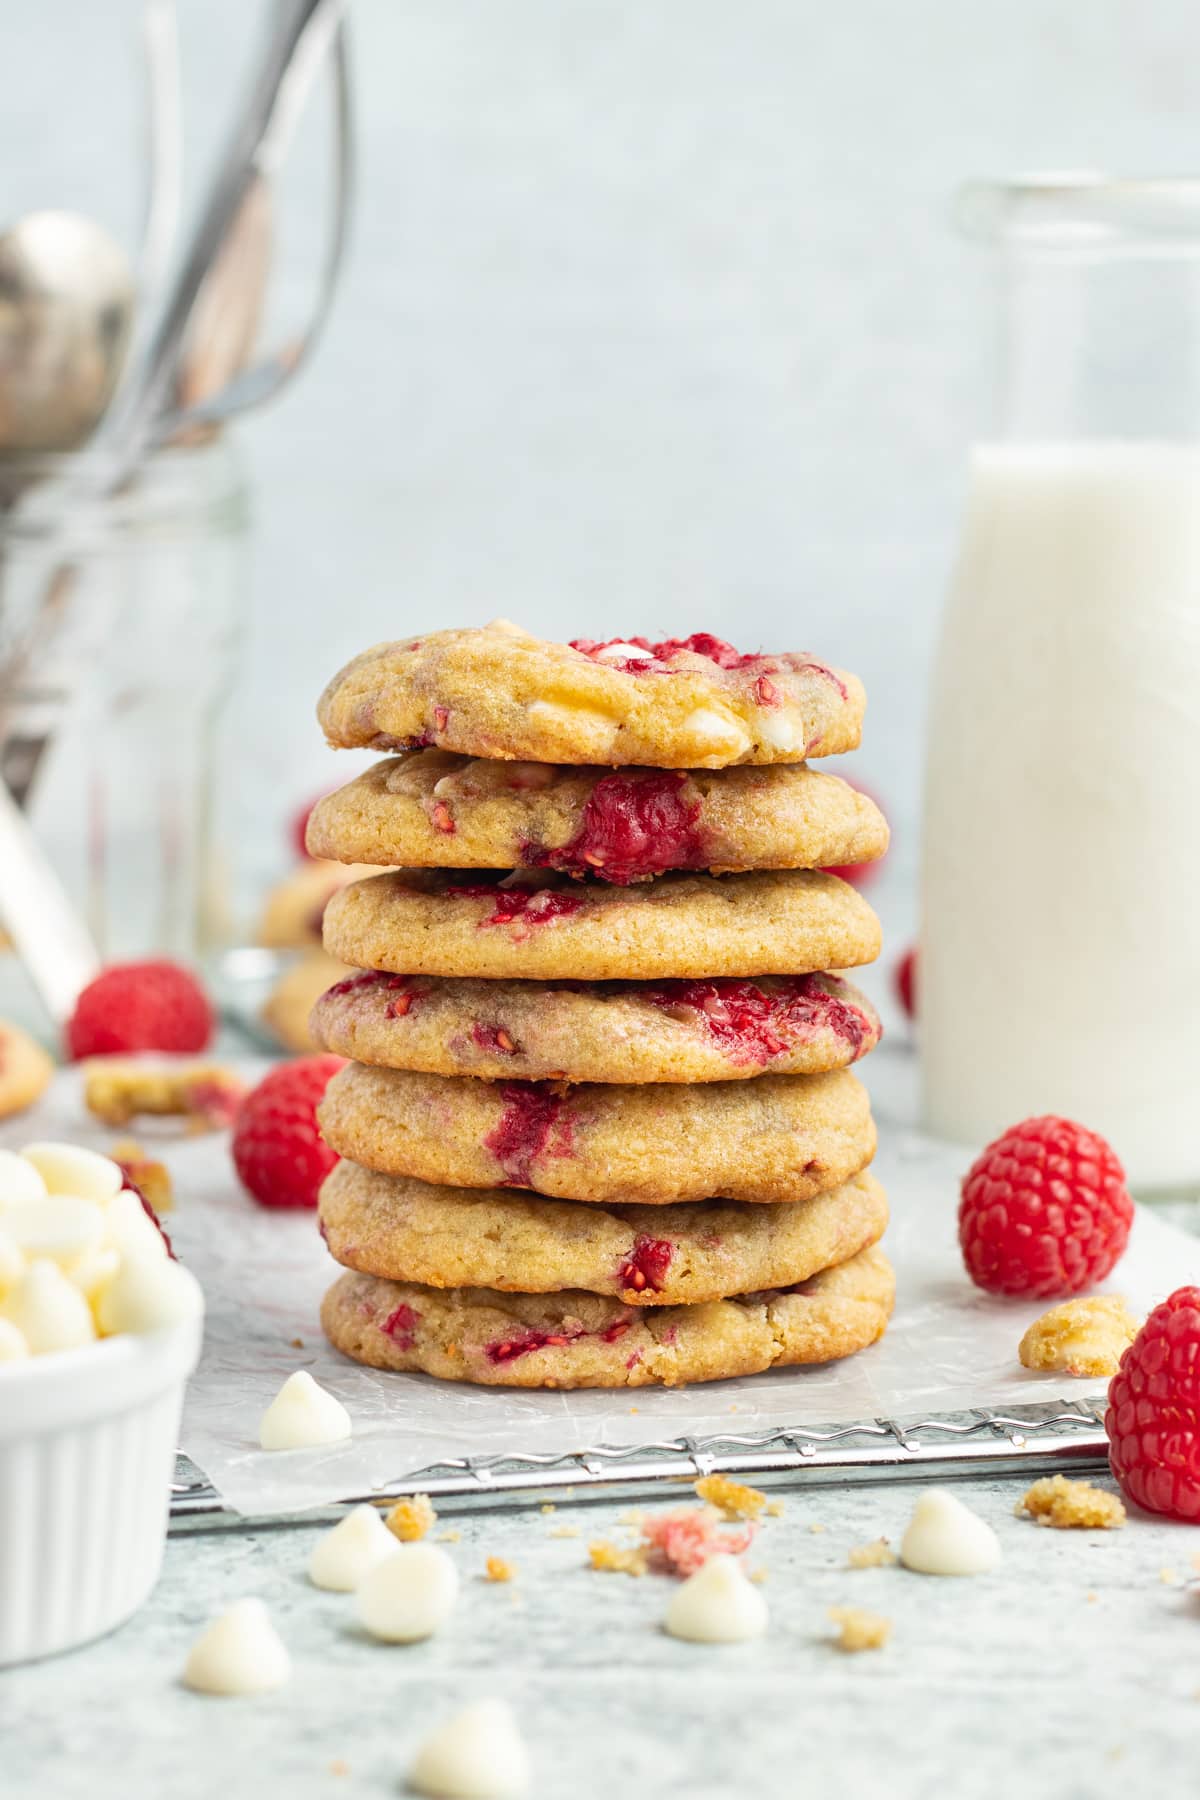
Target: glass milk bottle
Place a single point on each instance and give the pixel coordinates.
(1060, 950)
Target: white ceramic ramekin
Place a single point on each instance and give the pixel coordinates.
(87, 1455)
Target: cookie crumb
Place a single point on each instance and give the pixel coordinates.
(758, 1575)
(858, 1629)
(411, 1519)
(634, 1515)
(878, 1555)
(565, 1531)
(682, 1540)
(498, 1568)
(1071, 1505)
(205, 1095)
(816, 1529)
(735, 1500)
(1168, 1576)
(774, 1509)
(338, 1767)
(1091, 1597)
(1080, 1337)
(449, 1537)
(611, 1559)
(151, 1178)
(297, 1343)
(547, 1506)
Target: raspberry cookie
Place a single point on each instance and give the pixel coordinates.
(294, 907)
(430, 809)
(575, 1339)
(722, 1030)
(782, 1137)
(685, 703)
(550, 928)
(25, 1070)
(646, 1255)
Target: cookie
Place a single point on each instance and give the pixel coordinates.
(722, 1030)
(431, 809)
(25, 1070)
(550, 928)
(295, 907)
(287, 1008)
(646, 1255)
(782, 1137)
(575, 1339)
(685, 703)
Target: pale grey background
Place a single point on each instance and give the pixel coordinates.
(653, 319)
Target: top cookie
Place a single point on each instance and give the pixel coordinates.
(430, 808)
(685, 703)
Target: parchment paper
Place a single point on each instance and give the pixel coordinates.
(949, 1346)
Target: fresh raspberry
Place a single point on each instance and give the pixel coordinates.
(1044, 1210)
(140, 1006)
(905, 978)
(1153, 1417)
(278, 1150)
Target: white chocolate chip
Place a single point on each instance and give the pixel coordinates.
(12, 1262)
(69, 1169)
(342, 1555)
(623, 653)
(19, 1180)
(717, 1605)
(718, 732)
(93, 1271)
(409, 1594)
(573, 718)
(479, 1754)
(780, 731)
(13, 1347)
(148, 1293)
(129, 1229)
(302, 1415)
(60, 1226)
(49, 1312)
(944, 1537)
(239, 1653)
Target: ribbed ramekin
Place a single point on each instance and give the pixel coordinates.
(87, 1454)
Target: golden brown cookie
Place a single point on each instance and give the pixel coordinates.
(550, 928)
(294, 908)
(782, 1137)
(431, 809)
(646, 1255)
(287, 1008)
(721, 1030)
(575, 1339)
(25, 1070)
(685, 703)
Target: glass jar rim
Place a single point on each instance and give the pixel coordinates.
(1081, 211)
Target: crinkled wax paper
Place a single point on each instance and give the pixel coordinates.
(949, 1347)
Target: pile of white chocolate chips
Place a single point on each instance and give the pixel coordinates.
(80, 1255)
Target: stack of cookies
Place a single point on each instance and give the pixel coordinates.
(599, 1126)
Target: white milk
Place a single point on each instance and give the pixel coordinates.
(1060, 954)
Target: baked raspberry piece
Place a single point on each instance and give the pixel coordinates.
(1153, 1417)
(153, 1005)
(278, 1150)
(636, 824)
(1044, 1210)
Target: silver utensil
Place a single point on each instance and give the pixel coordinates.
(66, 307)
(49, 935)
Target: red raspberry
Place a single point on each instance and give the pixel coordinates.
(1044, 1210)
(1153, 1417)
(278, 1150)
(905, 977)
(298, 829)
(140, 1006)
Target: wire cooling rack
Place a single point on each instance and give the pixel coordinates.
(1024, 1440)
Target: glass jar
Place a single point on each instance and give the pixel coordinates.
(119, 618)
(1060, 951)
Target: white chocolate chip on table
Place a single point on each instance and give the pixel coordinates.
(479, 1754)
(944, 1537)
(409, 1594)
(239, 1653)
(342, 1555)
(717, 1605)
